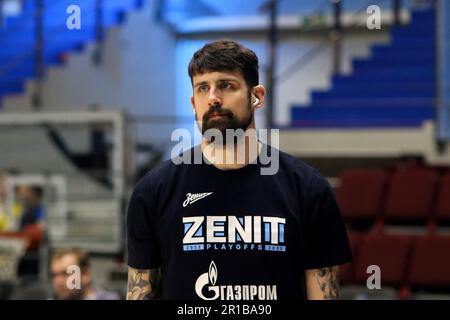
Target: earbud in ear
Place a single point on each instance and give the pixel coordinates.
(256, 101)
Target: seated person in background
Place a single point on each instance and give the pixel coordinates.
(62, 285)
(31, 214)
(4, 223)
(30, 198)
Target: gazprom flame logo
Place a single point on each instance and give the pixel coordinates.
(212, 273)
(204, 280)
(206, 288)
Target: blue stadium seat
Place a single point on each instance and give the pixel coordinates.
(394, 87)
(17, 39)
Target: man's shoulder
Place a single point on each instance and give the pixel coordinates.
(164, 170)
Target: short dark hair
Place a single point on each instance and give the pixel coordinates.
(37, 191)
(81, 256)
(226, 55)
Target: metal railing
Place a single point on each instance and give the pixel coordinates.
(2, 16)
(36, 50)
(443, 69)
(336, 34)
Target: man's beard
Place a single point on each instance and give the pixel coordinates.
(228, 121)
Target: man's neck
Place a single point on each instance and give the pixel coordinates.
(233, 155)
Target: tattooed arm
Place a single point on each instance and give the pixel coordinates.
(140, 286)
(322, 284)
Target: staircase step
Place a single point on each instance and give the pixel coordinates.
(373, 102)
(359, 117)
(58, 5)
(407, 47)
(385, 63)
(371, 93)
(56, 36)
(19, 77)
(373, 78)
(51, 52)
(56, 16)
(368, 87)
(400, 32)
(11, 87)
(353, 84)
(355, 123)
(398, 71)
(17, 39)
(54, 28)
(423, 16)
(397, 55)
(393, 87)
(25, 69)
(424, 41)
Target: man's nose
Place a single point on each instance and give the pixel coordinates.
(214, 98)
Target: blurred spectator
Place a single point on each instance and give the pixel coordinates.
(31, 214)
(60, 272)
(4, 223)
(30, 198)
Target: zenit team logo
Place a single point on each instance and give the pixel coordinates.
(206, 288)
(234, 233)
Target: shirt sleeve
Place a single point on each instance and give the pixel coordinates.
(326, 237)
(40, 214)
(143, 248)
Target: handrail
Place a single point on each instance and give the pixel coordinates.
(99, 31)
(27, 51)
(2, 22)
(306, 58)
(442, 10)
(20, 26)
(396, 5)
(38, 54)
(31, 47)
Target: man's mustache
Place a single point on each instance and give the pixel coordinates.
(217, 110)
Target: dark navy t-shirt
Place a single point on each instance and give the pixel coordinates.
(235, 234)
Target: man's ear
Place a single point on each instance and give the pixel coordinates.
(193, 103)
(85, 277)
(260, 92)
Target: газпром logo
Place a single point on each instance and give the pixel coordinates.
(230, 292)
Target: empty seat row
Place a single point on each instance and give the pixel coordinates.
(404, 261)
(416, 194)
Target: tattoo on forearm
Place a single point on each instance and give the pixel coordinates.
(328, 280)
(139, 284)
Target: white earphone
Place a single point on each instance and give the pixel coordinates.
(256, 101)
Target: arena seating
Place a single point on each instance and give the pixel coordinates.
(17, 59)
(413, 265)
(394, 87)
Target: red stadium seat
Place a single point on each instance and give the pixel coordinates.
(410, 196)
(390, 253)
(430, 262)
(346, 271)
(443, 200)
(360, 193)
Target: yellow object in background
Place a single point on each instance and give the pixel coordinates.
(4, 223)
(17, 210)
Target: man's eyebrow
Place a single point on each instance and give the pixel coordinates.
(220, 80)
(200, 83)
(228, 79)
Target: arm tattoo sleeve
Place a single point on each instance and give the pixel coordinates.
(328, 280)
(139, 284)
